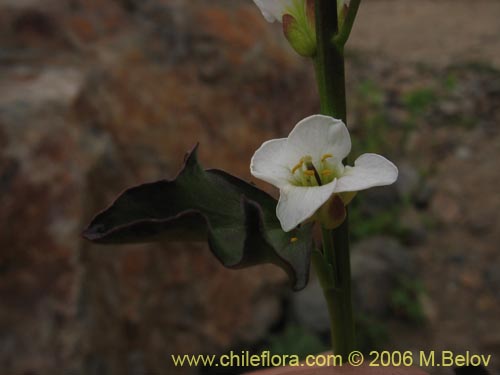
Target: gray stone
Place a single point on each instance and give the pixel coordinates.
(378, 264)
(463, 153)
(450, 107)
(310, 309)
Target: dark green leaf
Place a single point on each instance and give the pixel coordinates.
(238, 220)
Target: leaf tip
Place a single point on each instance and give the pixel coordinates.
(192, 155)
(93, 232)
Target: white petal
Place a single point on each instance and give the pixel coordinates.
(299, 203)
(269, 163)
(273, 10)
(369, 170)
(319, 135)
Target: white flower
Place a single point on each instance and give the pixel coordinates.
(307, 168)
(297, 17)
(273, 10)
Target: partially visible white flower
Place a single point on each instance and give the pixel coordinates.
(273, 10)
(297, 17)
(307, 168)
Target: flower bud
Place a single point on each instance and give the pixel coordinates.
(299, 29)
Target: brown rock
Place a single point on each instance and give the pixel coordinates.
(471, 280)
(40, 219)
(446, 209)
(79, 127)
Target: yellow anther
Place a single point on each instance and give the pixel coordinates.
(326, 172)
(298, 166)
(309, 172)
(293, 239)
(326, 156)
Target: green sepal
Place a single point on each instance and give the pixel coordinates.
(298, 37)
(237, 219)
(299, 28)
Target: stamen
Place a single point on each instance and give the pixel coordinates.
(326, 172)
(309, 172)
(298, 166)
(293, 239)
(326, 156)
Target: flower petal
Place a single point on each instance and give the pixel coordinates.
(318, 135)
(273, 10)
(299, 203)
(369, 170)
(267, 163)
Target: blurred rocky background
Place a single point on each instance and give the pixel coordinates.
(98, 95)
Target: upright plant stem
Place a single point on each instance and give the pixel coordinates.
(329, 61)
(330, 75)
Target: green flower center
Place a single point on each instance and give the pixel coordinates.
(307, 173)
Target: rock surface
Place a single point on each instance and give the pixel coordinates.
(98, 96)
(378, 266)
(310, 308)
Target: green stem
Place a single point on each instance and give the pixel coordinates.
(345, 31)
(330, 75)
(338, 299)
(329, 61)
(329, 255)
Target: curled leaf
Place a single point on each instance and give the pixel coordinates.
(237, 219)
